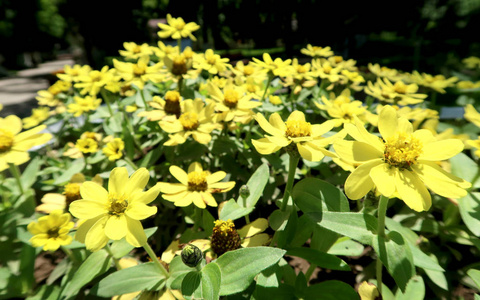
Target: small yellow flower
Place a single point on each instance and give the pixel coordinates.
(138, 73)
(275, 100)
(50, 96)
(71, 74)
(14, 144)
(176, 28)
(135, 51)
(472, 115)
(277, 67)
(472, 62)
(467, 84)
(83, 105)
(316, 51)
(196, 186)
(398, 93)
(437, 83)
(211, 62)
(87, 145)
(296, 134)
(51, 232)
(38, 116)
(116, 213)
(168, 106)
(341, 109)
(95, 80)
(475, 144)
(402, 163)
(114, 149)
(385, 72)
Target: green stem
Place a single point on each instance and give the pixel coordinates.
(270, 78)
(155, 260)
(70, 254)
(144, 101)
(116, 261)
(130, 162)
(107, 101)
(309, 272)
(179, 43)
(197, 215)
(292, 167)
(381, 212)
(16, 173)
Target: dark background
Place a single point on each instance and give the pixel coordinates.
(428, 36)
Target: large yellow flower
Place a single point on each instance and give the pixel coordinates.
(51, 232)
(402, 163)
(116, 213)
(295, 131)
(14, 144)
(196, 186)
(176, 28)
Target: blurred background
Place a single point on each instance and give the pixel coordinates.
(424, 35)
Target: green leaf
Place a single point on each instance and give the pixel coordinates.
(76, 167)
(231, 210)
(211, 280)
(304, 231)
(46, 292)
(145, 276)
(208, 222)
(29, 175)
(438, 278)
(256, 184)
(315, 195)
(321, 259)
(191, 285)
(415, 290)
(95, 264)
(286, 235)
(240, 266)
(475, 275)
(113, 124)
(358, 226)
(396, 256)
(322, 238)
(469, 207)
(465, 168)
(347, 247)
(178, 270)
(331, 290)
(278, 219)
(120, 248)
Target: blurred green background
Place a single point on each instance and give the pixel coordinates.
(424, 35)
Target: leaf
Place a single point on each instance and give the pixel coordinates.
(475, 275)
(211, 281)
(396, 256)
(315, 195)
(278, 219)
(178, 270)
(256, 184)
(145, 276)
(191, 285)
(415, 290)
(95, 264)
(465, 168)
(331, 290)
(76, 167)
(46, 292)
(321, 259)
(286, 235)
(240, 266)
(208, 222)
(231, 210)
(29, 175)
(347, 247)
(358, 226)
(469, 207)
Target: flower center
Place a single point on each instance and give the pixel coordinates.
(6, 140)
(301, 69)
(53, 232)
(179, 66)
(337, 59)
(95, 76)
(231, 98)
(211, 60)
(189, 120)
(327, 69)
(172, 103)
(298, 128)
(224, 237)
(197, 181)
(402, 150)
(137, 49)
(72, 192)
(117, 205)
(248, 70)
(139, 70)
(400, 87)
(179, 24)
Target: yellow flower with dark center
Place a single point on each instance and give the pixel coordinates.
(296, 131)
(14, 144)
(316, 51)
(135, 51)
(139, 73)
(87, 145)
(83, 105)
(114, 149)
(116, 213)
(224, 237)
(196, 186)
(51, 232)
(168, 106)
(176, 28)
(402, 164)
(211, 62)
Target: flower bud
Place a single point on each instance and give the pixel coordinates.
(191, 255)
(244, 191)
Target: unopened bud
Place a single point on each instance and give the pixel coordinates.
(244, 191)
(191, 255)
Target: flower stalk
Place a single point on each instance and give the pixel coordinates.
(382, 210)
(16, 174)
(155, 260)
(292, 167)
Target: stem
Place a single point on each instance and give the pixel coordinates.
(197, 215)
(309, 272)
(154, 258)
(144, 101)
(292, 167)
(130, 162)
(270, 78)
(107, 101)
(381, 212)
(70, 254)
(16, 173)
(116, 261)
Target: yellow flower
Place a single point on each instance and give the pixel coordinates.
(14, 144)
(180, 65)
(211, 62)
(472, 62)
(71, 74)
(398, 93)
(195, 121)
(474, 144)
(164, 50)
(324, 69)
(140, 72)
(402, 163)
(316, 51)
(116, 213)
(95, 80)
(275, 100)
(87, 145)
(167, 107)
(114, 149)
(38, 116)
(50, 97)
(343, 111)
(51, 231)
(83, 105)
(472, 115)
(277, 67)
(176, 28)
(385, 72)
(295, 134)
(437, 83)
(467, 84)
(368, 291)
(134, 51)
(196, 186)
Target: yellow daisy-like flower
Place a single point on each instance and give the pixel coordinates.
(195, 121)
(83, 105)
(14, 144)
(95, 80)
(72, 74)
(324, 69)
(114, 149)
(139, 73)
(316, 51)
(211, 62)
(38, 116)
(472, 62)
(472, 115)
(277, 67)
(196, 186)
(437, 83)
(87, 145)
(50, 96)
(402, 163)
(176, 28)
(135, 51)
(51, 232)
(467, 84)
(169, 106)
(398, 93)
(296, 134)
(343, 111)
(116, 213)
(475, 144)
(180, 65)
(385, 72)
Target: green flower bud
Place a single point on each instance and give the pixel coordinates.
(244, 191)
(191, 255)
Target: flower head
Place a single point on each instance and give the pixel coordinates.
(211, 62)
(83, 105)
(168, 106)
(116, 213)
(38, 116)
(176, 28)
(14, 144)
(51, 232)
(196, 186)
(316, 51)
(114, 149)
(402, 163)
(398, 93)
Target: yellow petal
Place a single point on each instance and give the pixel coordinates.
(137, 182)
(265, 147)
(208, 199)
(84, 227)
(384, 178)
(216, 177)
(412, 191)
(441, 150)
(387, 122)
(146, 197)
(116, 227)
(93, 191)
(15, 157)
(179, 174)
(136, 235)
(87, 209)
(257, 226)
(310, 153)
(275, 125)
(195, 167)
(222, 186)
(359, 183)
(96, 238)
(140, 211)
(440, 181)
(176, 197)
(359, 133)
(171, 188)
(256, 240)
(13, 123)
(354, 151)
(118, 181)
(280, 141)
